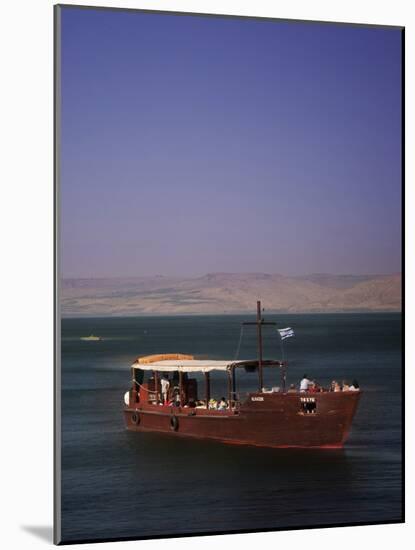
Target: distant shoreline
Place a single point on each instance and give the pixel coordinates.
(238, 314)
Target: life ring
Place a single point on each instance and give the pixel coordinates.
(135, 418)
(174, 423)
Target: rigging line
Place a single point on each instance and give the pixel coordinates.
(239, 343)
(141, 386)
(281, 344)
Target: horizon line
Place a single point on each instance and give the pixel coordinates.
(209, 273)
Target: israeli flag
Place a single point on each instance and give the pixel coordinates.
(286, 332)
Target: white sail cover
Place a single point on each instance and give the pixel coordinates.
(186, 365)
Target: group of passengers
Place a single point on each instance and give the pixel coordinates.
(344, 386)
(220, 405)
(212, 404)
(306, 385)
(311, 386)
(174, 399)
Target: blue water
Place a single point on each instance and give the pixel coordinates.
(117, 483)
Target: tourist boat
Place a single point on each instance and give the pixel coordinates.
(91, 338)
(269, 418)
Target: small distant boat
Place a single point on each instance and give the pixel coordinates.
(91, 338)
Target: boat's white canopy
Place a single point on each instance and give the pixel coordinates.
(170, 362)
(186, 365)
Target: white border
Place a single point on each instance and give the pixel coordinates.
(26, 230)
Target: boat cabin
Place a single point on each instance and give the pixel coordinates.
(169, 380)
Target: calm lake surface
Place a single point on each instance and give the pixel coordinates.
(117, 483)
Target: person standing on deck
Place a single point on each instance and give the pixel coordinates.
(305, 383)
(165, 385)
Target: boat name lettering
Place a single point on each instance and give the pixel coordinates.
(308, 399)
(257, 398)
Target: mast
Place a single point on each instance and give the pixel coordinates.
(259, 323)
(259, 344)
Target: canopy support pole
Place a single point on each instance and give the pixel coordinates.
(156, 386)
(181, 387)
(134, 388)
(207, 388)
(229, 390)
(233, 383)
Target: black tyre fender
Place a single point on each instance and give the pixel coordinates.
(135, 418)
(174, 423)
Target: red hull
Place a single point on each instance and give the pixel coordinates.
(268, 420)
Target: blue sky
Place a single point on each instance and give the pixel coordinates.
(196, 144)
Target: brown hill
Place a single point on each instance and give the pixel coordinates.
(230, 293)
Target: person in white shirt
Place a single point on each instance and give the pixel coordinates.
(165, 385)
(305, 383)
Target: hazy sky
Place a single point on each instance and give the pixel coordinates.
(195, 144)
